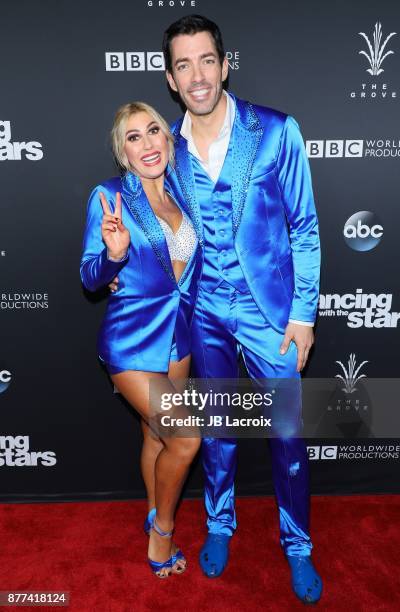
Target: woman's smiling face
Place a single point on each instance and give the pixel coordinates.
(146, 146)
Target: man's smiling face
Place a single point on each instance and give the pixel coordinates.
(197, 74)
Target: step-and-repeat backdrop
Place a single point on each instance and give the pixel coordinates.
(65, 67)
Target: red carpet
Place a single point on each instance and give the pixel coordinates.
(97, 551)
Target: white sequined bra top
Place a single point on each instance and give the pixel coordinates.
(182, 244)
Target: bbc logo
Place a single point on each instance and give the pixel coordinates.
(334, 148)
(322, 452)
(134, 60)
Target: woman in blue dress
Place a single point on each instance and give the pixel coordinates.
(137, 229)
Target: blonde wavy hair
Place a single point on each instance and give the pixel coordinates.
(118, 132)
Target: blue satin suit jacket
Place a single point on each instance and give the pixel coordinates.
(150, 308)
(274, 218)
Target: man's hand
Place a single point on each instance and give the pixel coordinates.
(303, 337)
(114, 284)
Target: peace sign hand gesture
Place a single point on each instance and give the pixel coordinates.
(113, 231)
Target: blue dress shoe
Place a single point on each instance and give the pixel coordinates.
(214, 554)
(306, 583)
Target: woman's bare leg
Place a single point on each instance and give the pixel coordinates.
(151, 448)
(178, 373)
(174, 459)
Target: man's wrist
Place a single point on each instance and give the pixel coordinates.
(304, 323)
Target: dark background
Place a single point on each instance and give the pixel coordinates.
(302, 58)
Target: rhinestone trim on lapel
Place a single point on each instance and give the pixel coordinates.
(136, 200)
(183, 169)
(247, 134)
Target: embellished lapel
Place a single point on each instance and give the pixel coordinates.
(137, 202)
(246, 134)
(173, 187)
(184, 173)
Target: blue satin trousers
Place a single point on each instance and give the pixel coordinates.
(226, 322)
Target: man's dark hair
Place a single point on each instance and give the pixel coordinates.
(191, 24)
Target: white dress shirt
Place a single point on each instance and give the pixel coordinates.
(217, 152)
(218, 149)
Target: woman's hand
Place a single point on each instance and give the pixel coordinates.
(113, 231)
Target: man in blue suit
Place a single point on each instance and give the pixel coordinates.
(245, 175)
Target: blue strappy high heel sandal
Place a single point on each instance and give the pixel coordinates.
(157, 566)
(149, 520)
(177, 556)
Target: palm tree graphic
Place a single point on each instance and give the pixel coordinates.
(351, 377)
(375, 55)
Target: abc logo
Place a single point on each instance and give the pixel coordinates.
(5, 379)
(363, 231)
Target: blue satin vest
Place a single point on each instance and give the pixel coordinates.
(215, 200)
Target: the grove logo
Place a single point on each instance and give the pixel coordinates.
(375, 55)
(171, 3)
(16, 150)
(351, 374)
(5, 380)
(374, 88)
(363, 231)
